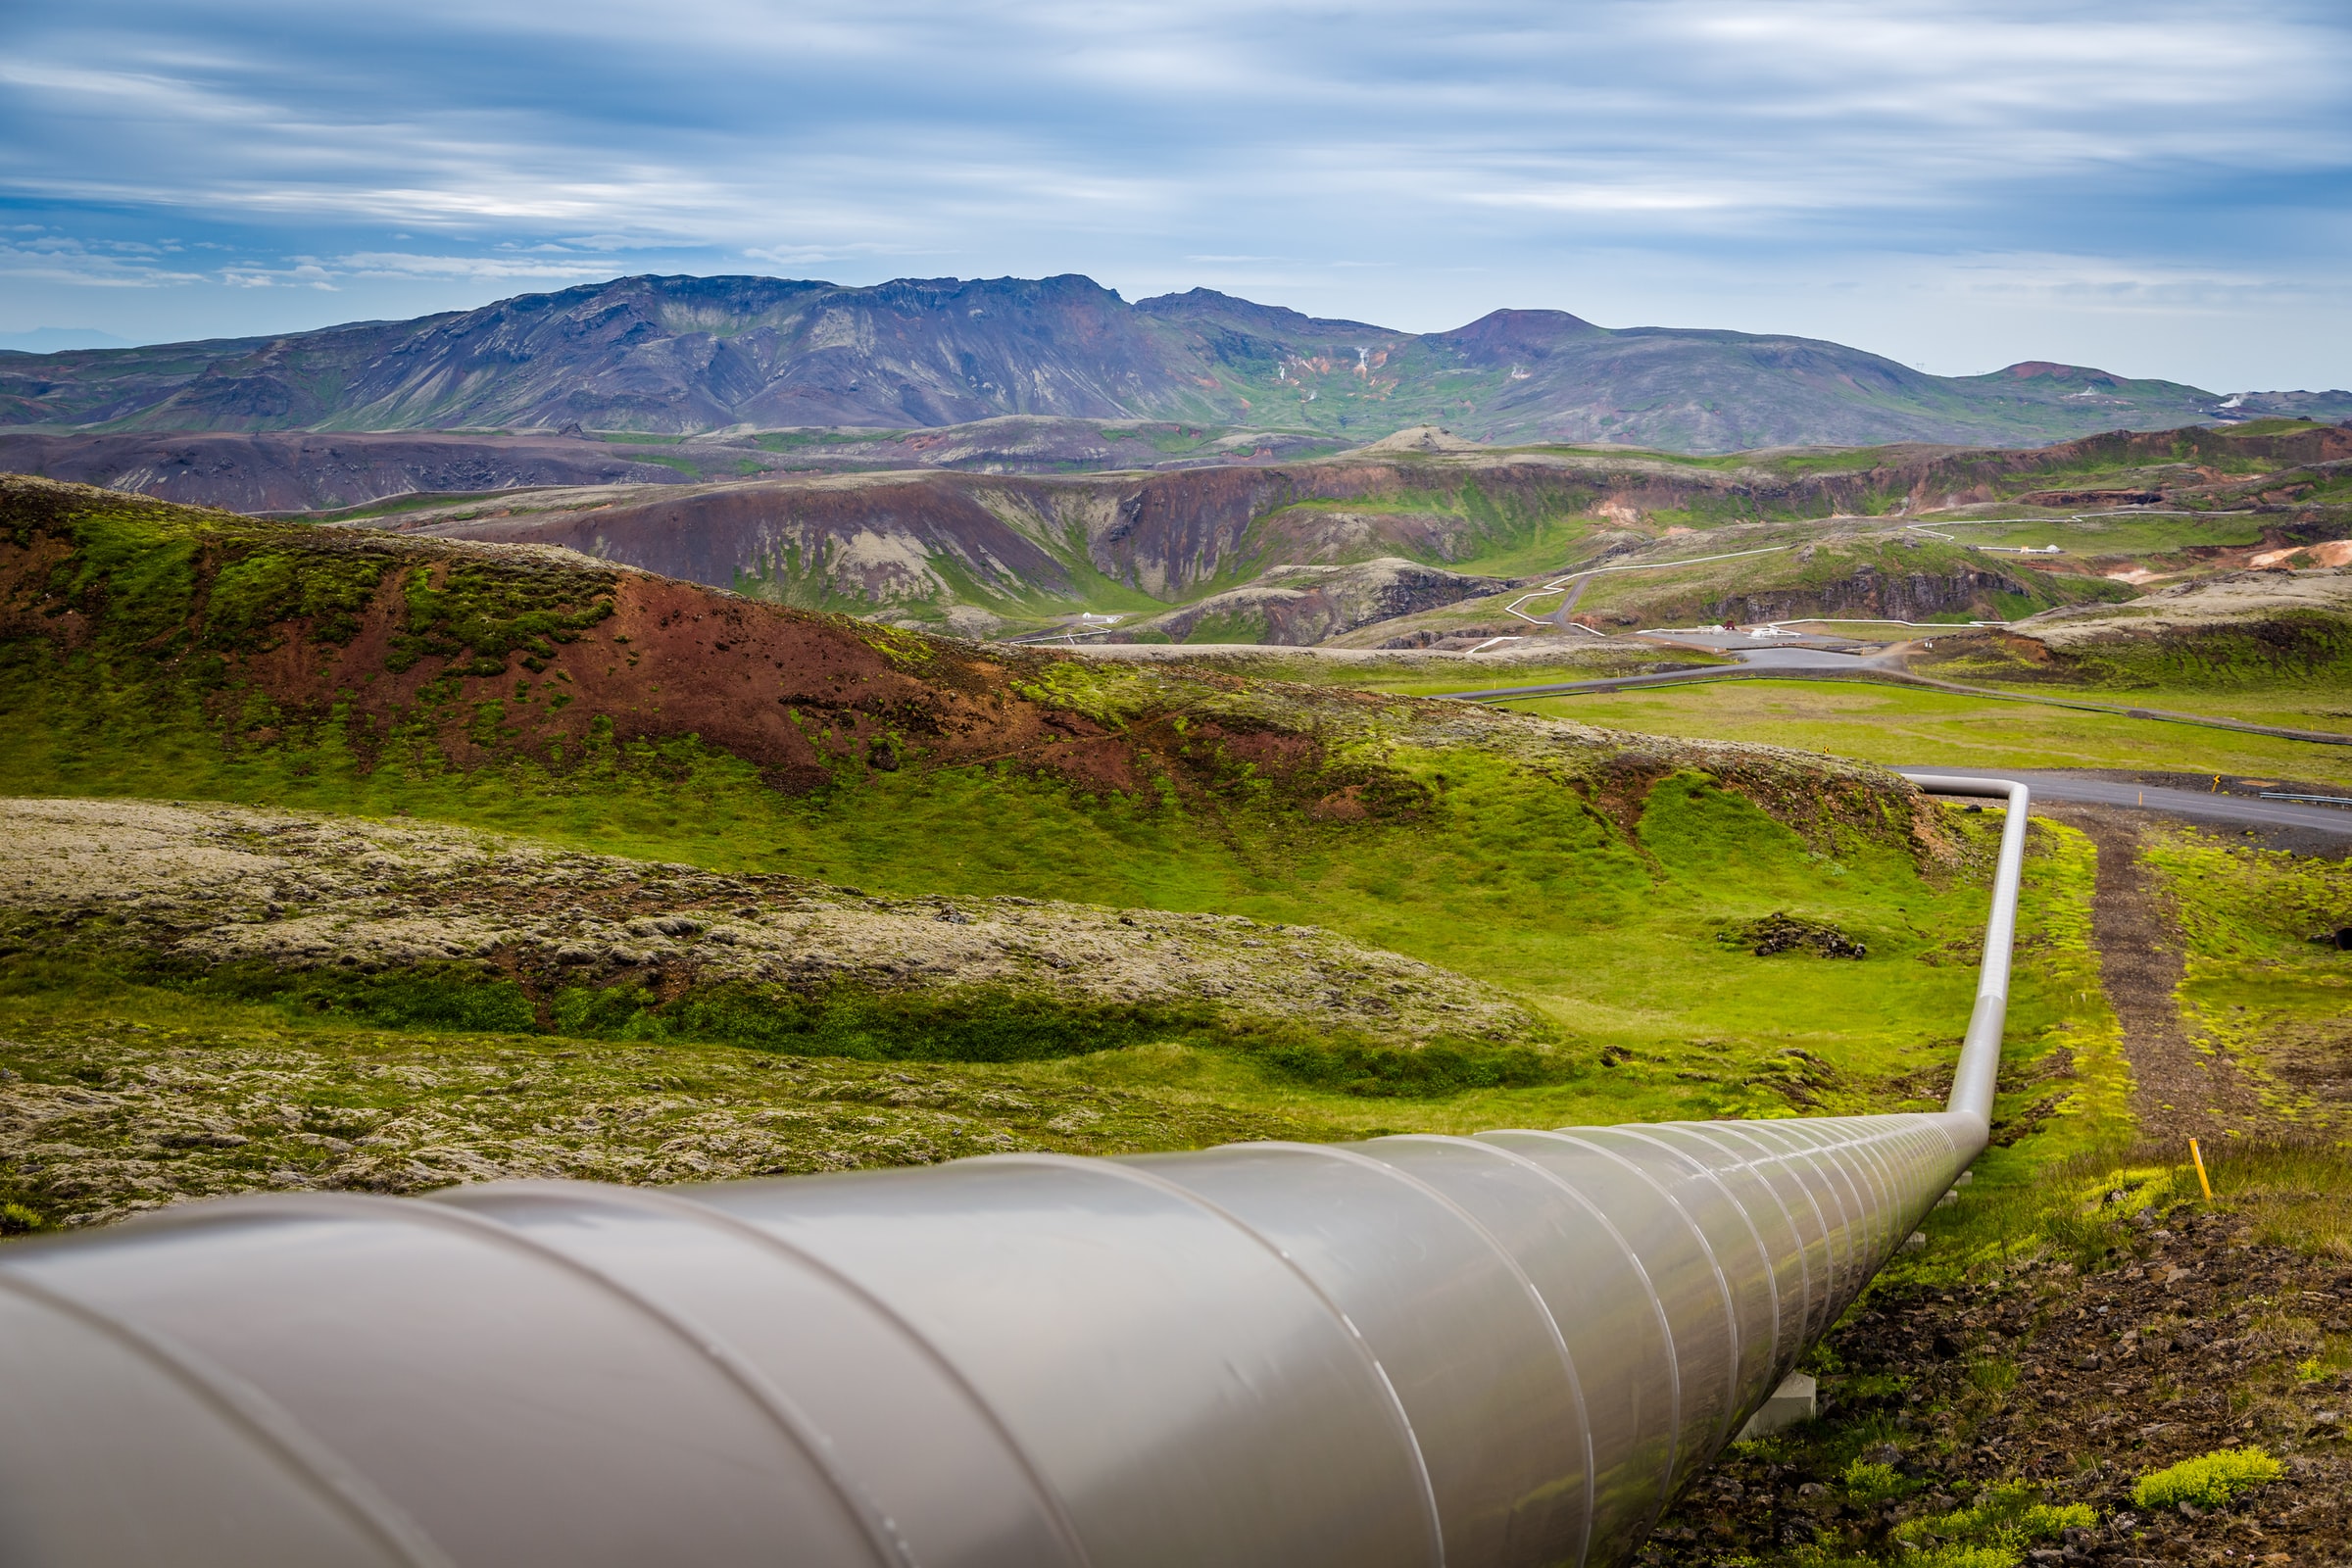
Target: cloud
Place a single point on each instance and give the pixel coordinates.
(35, 254)
(473, 145)
(534, 268)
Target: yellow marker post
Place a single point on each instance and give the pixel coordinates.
(2202, 1181)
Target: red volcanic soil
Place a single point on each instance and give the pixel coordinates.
(803, 696)
(493, 652)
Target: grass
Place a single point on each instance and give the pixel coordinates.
(2004, 1518)
(2257, 983)
(1602, 914)
(2288, 652)
(1593, 899)
(1896, 725)
(1816, 567)
(2126, 535)
(2325, 706)
(1502, 878)
(2252, 976)
(2209, 1481)
(2038, 1200)
(1528, 672)
(120, 1087)
(1524, 528)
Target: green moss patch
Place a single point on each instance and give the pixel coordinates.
(2209, 1481)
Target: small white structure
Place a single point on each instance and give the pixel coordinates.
(1795, 1399)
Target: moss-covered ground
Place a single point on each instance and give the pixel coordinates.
(128, 1090)
(1589, 878)
(1586, 876)
(1497, 876)
(2267, 980)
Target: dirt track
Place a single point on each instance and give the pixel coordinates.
(2179, 1092)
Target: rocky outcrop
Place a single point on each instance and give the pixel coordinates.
(2241, 600)
(1872, 594)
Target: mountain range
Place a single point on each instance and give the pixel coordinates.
(689, 355)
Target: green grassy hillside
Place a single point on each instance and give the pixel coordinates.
(1904, 725)
(1600, 883)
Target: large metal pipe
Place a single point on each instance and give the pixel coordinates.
(1513, 1348)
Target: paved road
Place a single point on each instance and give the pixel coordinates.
(2238, 811)
(1761, 659)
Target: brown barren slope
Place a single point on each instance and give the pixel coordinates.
(480, 653)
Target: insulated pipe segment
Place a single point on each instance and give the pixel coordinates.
(1508, 1350)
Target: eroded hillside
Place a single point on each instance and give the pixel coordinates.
(985, 555)
(362, 648)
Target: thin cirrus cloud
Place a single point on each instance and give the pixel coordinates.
(2158, 186)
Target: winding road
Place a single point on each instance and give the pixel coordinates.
(2197, 806)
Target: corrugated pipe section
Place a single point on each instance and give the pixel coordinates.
(1513, 1348)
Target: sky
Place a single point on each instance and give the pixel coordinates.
(2154, 188)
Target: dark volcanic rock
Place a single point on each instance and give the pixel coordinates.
(1782, 932)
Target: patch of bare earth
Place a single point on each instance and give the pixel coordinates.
(2074, 1385)
(2179, 1090)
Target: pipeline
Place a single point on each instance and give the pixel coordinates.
(1507, 1349)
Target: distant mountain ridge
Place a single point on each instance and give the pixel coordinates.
(676, 356)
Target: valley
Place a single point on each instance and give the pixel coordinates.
(1416, 540)
(532, 833)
